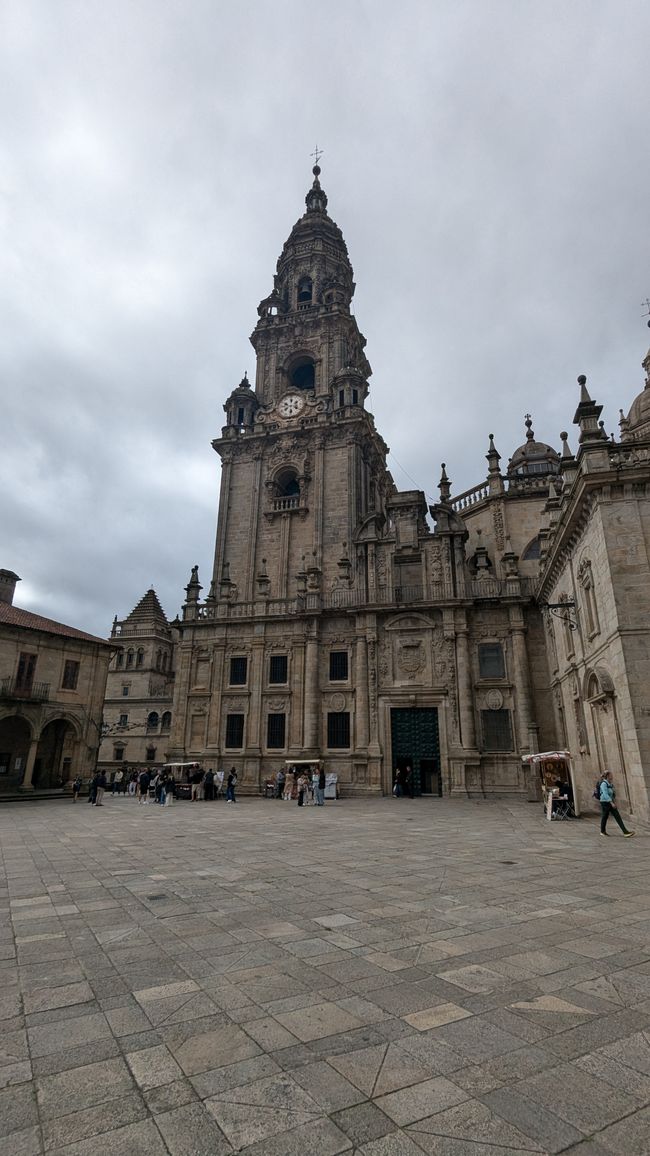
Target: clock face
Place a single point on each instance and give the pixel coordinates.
(291, 405)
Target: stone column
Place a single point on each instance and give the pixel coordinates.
(255, 682)
(521, 679)
(465, 689)
(361, 693)
(311, 707)
(27, 784)
(296, 737)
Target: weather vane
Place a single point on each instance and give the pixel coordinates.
(317, 154)
(647, 309)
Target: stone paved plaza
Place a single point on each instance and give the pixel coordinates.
(386, 978)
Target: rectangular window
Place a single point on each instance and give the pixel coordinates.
(497, 730)
(25, 674)
(275, 731)
(338, 729)
(125, 691)
(234, 731)
(70, 674)
(123, 720)
(238, 671)
(278, 668)
(118, 754)
(338, 665)
(490, 660)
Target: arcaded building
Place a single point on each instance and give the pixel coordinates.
(347, 620)
(52, 685)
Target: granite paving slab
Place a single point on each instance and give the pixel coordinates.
(391, 982)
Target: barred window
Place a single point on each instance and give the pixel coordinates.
(275, 731)
(490, 660)
(338, 666)
(338, 729)
(238, 671)
(234, 731)
(497, 730)
(278, 668)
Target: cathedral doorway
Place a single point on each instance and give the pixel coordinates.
(415, 743)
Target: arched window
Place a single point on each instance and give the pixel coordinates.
(140, 657)
(287, 484)
(130, 654)
(533, 550)
(165, 661)
(158, 659)
(303, 374)
(166, 721)
(152, 721)
(305, 291)
(119, 659)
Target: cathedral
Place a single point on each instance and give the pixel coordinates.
(347, 620)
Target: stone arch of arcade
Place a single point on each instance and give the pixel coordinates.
(42, 753)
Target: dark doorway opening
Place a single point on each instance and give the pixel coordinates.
(416, 745)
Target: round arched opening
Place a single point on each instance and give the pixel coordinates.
(53, 766)
(287, 484)
(15, 737)
(303, 374)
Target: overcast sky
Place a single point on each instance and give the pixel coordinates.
(487, 161)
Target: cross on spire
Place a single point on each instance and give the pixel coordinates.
(317, 154)
(647, 309)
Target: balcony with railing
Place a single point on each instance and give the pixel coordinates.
(313, 602)
(34, 692)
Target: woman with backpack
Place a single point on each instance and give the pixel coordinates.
(607, 797)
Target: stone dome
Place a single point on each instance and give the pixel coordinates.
(638, 420)
(533, 457)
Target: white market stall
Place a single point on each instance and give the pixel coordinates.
(555, 771)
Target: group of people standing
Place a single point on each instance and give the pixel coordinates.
(298, 784)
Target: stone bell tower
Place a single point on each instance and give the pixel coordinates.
(302, 462)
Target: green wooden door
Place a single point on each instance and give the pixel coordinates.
(414, 737)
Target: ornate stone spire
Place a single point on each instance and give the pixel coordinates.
(444, 485)
(316, 199)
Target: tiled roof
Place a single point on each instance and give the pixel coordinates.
(14, 616)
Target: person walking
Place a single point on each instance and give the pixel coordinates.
(279, 784)
(143, 787)
(117, 781)
(397, 785)
(76, 789)
(133, 784)
(320, 788)
(101, 787)
(608, 806)
(208, 785)
(230, 786)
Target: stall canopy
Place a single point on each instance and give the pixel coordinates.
(550, 765)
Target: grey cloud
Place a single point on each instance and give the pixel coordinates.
(486, 161)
